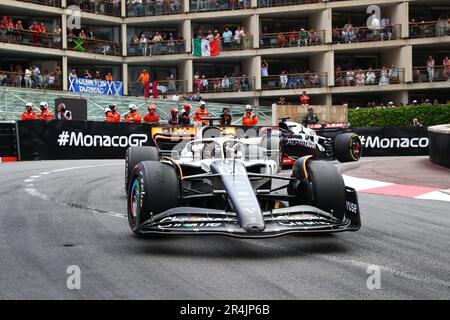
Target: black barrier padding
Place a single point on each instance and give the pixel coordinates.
(394, 141)
(8, 144)
(440, 148)
(53, 140)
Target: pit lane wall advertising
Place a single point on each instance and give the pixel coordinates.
(52, 140)
(394, 141)
(78, 85)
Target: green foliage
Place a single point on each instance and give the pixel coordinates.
(427, 115)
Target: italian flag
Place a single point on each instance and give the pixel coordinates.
(205, 48)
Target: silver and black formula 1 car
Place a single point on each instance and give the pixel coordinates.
(227, 186)
(321, 141)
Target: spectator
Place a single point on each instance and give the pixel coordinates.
(360, 78)
(109, 77)
(349, 77)
(375, 26)
(225, 83)
(27, 78)
(283, 79)
(35, 29)
(281, 101)
(303, 37)
(340, 81)
(204, 83)
(225, 117)
(157, 39)
(176, 97)
(386, 28)
(200, 113)
(87, 74)
(264, 69)
(393, 75)
(430, 68)
(415, 123)
(446, 68)
(97, 76)
(198, 97)
(281, 40)
(143, 43)
(249, 118)
(370, 77)
(227, 35)
(197, 82)
(19, 31)
(57, 36)
(384, 76)
(73, 74)
(144, 79)
(304, 99)
(62, 113)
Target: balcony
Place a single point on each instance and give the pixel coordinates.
(225, 84)
(164, 87)
(438, 74)
(286, 81)
(157, 8)
(365, 34)
(218, 5)
(300, 38)
(360, 78)
(428, 29)
(95, 46)
(51, 81)
(50, 3)
(32, 38)
(152, 49)
(279, 3)
(98, 7)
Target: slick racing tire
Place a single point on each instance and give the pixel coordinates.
(134, 155)
(328, 188)
(153, 188)
(274, 143)
(347, 147)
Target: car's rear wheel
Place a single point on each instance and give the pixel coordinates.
(347, 147)
(328, 188)
(134, 155)
(153, 188)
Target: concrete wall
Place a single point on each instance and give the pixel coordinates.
(326, 113)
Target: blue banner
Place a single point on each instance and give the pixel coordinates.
(79, 85)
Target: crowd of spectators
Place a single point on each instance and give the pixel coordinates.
(109, 7)
(31, 77)
(432, 71)
(423, 28)
(36, 33)
(234, 82)
(231, 37)
(358, 77)
(156, 43)
(137, 8)
(87, 74)
(291, 79)
(85, 40)
(295, 38)
(377, 30)
(218, 5)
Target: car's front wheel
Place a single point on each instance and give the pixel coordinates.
(153, 188)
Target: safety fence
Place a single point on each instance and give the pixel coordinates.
(299, 38)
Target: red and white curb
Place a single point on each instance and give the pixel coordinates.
(8, 159)
(398, 190)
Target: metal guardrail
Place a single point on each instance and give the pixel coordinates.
(214, 5)
(427, 29)
(437, 74)
(225, 84)
(31, 38)
(154, 9)
(365, 34)
(301, 38)
(93, 46)
(294, 81)
(150, 48)
(98, 7)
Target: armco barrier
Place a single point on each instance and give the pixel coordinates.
(8, 145)
(394, 141)
(440, 144)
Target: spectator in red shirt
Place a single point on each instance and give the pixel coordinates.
(36, 29)
(304, 99)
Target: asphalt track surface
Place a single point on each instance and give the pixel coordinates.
(51, 219)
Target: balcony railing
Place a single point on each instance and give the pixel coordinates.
(168, 87)
(232, 44)
(229, 84)
(369, 77)
(292, 39)
(50, 3)
(438, 74)
(294, 81)
(427, 29)
(98, 7)
(364, 34)
(150, 8)
(279, 3)
(31, 38)
(51, 81)
(218, 5)
(162, 48)
(93, 46)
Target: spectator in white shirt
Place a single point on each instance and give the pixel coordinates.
(370, 77)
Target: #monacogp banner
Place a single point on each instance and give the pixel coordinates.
(79, 85)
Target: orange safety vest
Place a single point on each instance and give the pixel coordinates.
(151, 118)
(199, 113)
(116, 116)
(144, 78)
(28, 115)
(45, 115)
(133, 117)
(249, 119)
